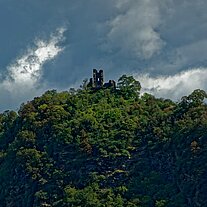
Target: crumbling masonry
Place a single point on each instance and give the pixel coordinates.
(97, 81)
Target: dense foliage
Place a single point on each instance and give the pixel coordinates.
(105, 148)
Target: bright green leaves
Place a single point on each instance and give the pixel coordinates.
(196, 98)
(31, 160)
(129, 87)
(92, 196)
(104, 148)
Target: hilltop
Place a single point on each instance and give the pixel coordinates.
(104, 148)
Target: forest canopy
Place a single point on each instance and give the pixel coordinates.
(104, 148)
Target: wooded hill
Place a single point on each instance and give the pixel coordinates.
(105, 148)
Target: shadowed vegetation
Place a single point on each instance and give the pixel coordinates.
(105, 148)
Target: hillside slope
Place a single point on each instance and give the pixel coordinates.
(105, 148)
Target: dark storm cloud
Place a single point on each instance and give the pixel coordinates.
(155, 37)
(21, 21)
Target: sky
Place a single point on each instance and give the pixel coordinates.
(50, 44)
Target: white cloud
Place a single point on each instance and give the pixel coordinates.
(23, 75)
(152, 36)
(133, 31)
(176, 86)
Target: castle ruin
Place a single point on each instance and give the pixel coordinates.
(97, 81)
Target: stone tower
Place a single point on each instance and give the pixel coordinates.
(98, 79)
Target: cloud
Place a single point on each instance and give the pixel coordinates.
(184, 32)
(23, 75)
(155, 37)
(134, 30)
(175, 86)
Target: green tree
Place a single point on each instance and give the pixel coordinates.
(129, 87)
